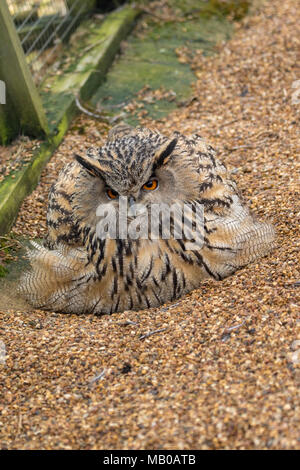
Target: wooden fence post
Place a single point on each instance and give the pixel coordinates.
(23, 111)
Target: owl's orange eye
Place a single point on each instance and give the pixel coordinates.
(151, 185)
(112, 194)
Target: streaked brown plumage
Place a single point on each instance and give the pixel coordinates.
(77, 272)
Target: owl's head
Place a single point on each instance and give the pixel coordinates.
(141, 164)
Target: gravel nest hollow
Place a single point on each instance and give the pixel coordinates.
(221, 367)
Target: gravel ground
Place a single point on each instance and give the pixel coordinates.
(221, 367)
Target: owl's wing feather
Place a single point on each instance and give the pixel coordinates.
(62, 227)
(238, 237)
(57, 278)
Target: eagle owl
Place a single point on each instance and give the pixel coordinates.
(78, 271)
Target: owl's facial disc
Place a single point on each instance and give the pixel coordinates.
(130, 168)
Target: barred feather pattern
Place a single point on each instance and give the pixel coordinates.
(77, 272)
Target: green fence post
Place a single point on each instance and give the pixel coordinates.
(23, 111)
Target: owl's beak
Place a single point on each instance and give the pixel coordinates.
(131, 209)
(131, 201)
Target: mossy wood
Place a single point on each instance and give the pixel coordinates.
(28, 115)
(84, 76)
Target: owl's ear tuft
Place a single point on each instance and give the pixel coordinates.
(163, 154)
(90, 164)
